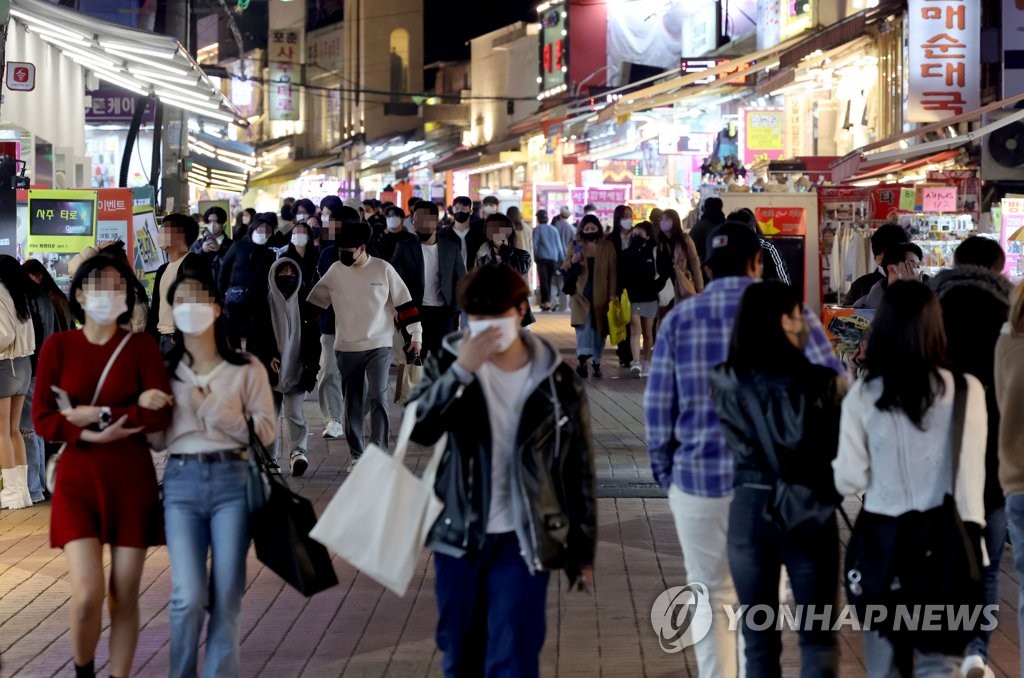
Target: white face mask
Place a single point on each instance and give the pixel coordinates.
(509, 326)
(325, 214)
(489, 209)
(300, 218)
(394, 223)
(193, 319)
(300, 239)
(260, 238)
(105, 307)
(246, 220)
(626, 224)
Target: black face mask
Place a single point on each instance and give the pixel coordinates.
(591, 235)
(637, 242)
(347, 258)
(424, 237)
(287, 284)
(461, 217)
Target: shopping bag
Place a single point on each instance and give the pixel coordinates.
(625, 310)
(381, 516)
(280, 531)
(409, 377)
(616, 330)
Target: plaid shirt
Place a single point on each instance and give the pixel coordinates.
(684, 438)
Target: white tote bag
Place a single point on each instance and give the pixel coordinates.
(380, 517)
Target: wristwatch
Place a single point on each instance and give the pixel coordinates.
(105, 417)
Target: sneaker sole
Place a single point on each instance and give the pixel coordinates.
(299, 467)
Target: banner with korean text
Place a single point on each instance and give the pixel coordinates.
(944, 58)
(61, 221)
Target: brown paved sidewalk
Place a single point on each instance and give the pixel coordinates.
(357, 629)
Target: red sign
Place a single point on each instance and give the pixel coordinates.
(782, 220)
(21, 76)
(885, 202)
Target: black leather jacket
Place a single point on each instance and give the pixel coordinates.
(801, 411)
(553, 498)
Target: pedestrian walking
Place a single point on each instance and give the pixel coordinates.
(687, 276)
(885, 236)
(372, 300)
(303, 252)
(431, 267)
(514, 412)
(591, 273)
(395, 233)
(178, 233)
(215, 392)
(622, 225)
(286, 339)
(242, 222)
(214, 244)
(243, 276)
(645, 269)
(712, 216)
(780, 417)
(550, 252)
(775, 267)
(17, 345)
(689, 455)
(896, 441)
(975, 300)
(106, 490)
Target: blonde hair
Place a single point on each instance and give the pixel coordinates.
(1016, 318)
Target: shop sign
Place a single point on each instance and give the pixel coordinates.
(325, 49)
(113, 105)
(782, 220)
(700, 29)
(799, 130)
(944, 57)
(606, 200)
(885, 202)
(114, 215)
(284, 66)
(21, 76)
(938, 199)
(763, 134)
(907, 199)
(554, 49)
(678, 141)
(1013, 54)
(779, 20)
(1012, 221)
(61, 221)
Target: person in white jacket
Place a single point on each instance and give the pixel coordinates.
(17, 344)
(895, 439)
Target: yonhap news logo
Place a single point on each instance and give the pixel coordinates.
(681, 616)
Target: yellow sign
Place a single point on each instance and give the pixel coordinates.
(763, 134)
(61, 221)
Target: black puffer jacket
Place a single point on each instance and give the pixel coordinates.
(975, 304)
(554, 489)
(801, 411)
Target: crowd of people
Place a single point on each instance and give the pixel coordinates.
(744, 395)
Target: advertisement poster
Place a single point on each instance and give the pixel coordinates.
(61, 221)
(606, 200)
(782, 220)
(846, 329)
(114, 216)
(1012, 239)
(148, 255)
(763, 134)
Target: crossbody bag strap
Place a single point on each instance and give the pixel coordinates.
(762, 430)
(110, 364)
(959, 422)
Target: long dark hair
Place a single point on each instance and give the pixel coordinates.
(619, 214)
(758, 342)
(906, 348)
(17, 283)
(676, 236)
(49, 285)
(220, 331)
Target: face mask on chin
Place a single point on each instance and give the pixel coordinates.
(509, 326)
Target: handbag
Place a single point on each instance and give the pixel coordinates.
(51, 463)
(257, 487)
(280, 532)
(797, 510)
(667, 295)
(916, 560)
(235, 295)
(409, 377)
(381, 516)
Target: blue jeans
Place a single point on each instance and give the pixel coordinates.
(205, 510)
(880, 659)
(1015, 523)
(491, 612)
(757, 552)
(589, 341)
(35, 449)
(995, 542)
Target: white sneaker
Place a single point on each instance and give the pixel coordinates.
(351, 465)
(333, 430)
(974, 666)
(634, 369)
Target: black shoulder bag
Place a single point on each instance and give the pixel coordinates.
(794, 509)
(922, 560)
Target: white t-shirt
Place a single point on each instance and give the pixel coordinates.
(431, 276)
(165, 321)
(505, 395)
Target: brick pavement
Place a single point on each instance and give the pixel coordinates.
(356, 629)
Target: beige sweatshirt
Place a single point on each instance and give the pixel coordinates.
(1009, 370)
(369, 299)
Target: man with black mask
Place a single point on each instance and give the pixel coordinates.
(469, 232)
(431, 267)
(371, 300)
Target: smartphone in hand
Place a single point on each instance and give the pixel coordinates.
(63, 400)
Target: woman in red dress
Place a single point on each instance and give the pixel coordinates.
(106, 490)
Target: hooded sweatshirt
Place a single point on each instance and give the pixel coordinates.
(286, 320)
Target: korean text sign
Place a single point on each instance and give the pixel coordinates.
(285, 67)
(763, 134)
(61, 221)
(944, 58)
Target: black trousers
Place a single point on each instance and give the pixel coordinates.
(438, 322)
(546, 271)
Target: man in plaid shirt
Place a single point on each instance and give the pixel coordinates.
(689, 456)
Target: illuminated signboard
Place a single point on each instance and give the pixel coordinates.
(687, 66)
(944, 55)
(554, 48)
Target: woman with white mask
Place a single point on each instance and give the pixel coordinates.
(215, 393)
(90, 384)
(302, 250)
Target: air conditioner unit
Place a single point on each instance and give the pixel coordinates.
(1002, 152)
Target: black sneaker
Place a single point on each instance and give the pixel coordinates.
(597, 372)
(581, 370)
(299, 463)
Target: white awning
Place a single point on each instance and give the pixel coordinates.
(138, 61)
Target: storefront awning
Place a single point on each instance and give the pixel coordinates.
(881, 170)
(138, 61)
(291, 170)
(241, 157)
(210, 173)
